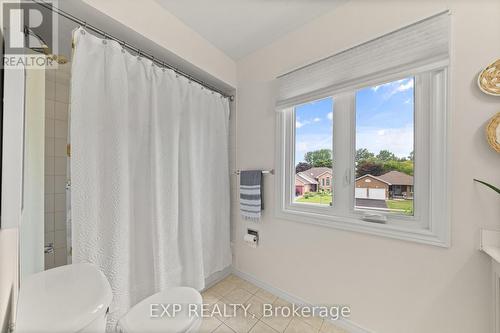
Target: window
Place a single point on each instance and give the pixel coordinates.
(357, 148)
(385, 147)
(313, 152)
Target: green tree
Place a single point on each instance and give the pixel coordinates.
(363, 154)
(302, 166)
(386, 155)
(411, 157)
(319, 158)
(402, 166)
(369, 166)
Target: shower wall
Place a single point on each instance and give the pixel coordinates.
(56, 158)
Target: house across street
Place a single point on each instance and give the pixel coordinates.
(390, 191)
(313, 180)
(391, 185)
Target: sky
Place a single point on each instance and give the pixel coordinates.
(384, 120)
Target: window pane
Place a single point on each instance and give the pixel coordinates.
(384, 147)
(313, 152)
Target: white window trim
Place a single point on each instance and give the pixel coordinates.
(431, 223)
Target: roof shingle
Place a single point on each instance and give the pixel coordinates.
(306, 179)
(397, 178)
(315, 172)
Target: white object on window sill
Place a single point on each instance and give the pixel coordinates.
(375, 218)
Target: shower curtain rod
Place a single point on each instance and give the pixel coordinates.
(130, 47)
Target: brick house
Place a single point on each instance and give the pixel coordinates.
(313, 180)
(304, 184)
(391, 185)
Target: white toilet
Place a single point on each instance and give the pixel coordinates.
(75, 299)
(66, 299)
(139, 319)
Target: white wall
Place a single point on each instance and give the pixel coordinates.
(12, 155)
(150, 19)
(393, 286)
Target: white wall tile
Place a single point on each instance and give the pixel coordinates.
(49, 128)
(49, 109)
(61, 129)
(49, 166)
(56, 132)
(50, 90)
(62, 77)
(60, 166)
(49, 237)
(49, 260)
(60, 147)
(59, 184)
(60, 220)
(49, 146)
(50, 75)
(49, 184)
(59, 202)
(61, 111)
(59, 239)
(62, 93)
(60, 256)
(49, 222)
(64, 68)
(49, 203)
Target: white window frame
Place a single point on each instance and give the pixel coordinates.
(430, 223)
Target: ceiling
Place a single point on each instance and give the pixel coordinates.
(240, 27)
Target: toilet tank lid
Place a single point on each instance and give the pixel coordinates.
(62, 299)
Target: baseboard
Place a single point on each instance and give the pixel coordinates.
(217, 276)
(344, 323)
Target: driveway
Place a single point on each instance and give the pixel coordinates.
(374, 203)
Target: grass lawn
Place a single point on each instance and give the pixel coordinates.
(326, 199)
(317, 198)
(405, 205)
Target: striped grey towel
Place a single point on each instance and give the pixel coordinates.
(251, 203)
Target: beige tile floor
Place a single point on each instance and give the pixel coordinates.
(233, 290)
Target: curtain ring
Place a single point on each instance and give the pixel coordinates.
(123, 46)
(163, 64)
(104, 40)
(139, 54)
(84, 27)
(152, 61)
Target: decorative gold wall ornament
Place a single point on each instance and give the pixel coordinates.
(493, 132)
(489, 79)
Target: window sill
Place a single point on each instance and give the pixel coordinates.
(395, 231)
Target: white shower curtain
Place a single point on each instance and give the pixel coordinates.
(149, 172)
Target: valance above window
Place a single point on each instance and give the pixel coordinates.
(424, 44)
